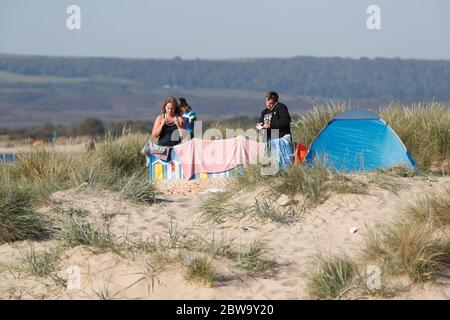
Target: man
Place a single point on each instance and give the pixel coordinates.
(275, 116)
(189, 116)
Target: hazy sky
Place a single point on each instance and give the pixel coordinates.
(227, 28)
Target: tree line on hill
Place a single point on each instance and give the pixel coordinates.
(300, 76)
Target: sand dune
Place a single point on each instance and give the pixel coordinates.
(291, 246)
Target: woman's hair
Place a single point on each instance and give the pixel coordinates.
(174, 103)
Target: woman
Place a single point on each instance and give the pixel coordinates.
(168, 124)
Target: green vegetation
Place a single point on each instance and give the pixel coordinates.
(78, 232)
(424, 129)
(42, 264)
(201, 270)
(219, 207)
(91, 127)
(122, 156)
(247, 258)
(18, 218)
(102, 85)
(321, 77)
(331, 278)
(314, 183)
(415, 247)
(432, 209)
(250, 260)
(252, 178)
(29, 181)
(216, 208)
(408, 249)
(311, 122)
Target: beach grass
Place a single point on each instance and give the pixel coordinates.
(201, 270)
(78, 232)
(311, 122)
(331, 278)
(252, 262)
(18, 217)
(27, 183)
(424, 129)
(407, 249)
(432, 209)
(42, 264)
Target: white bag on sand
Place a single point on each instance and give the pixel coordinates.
(212, 190)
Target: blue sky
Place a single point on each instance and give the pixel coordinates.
(227, 29)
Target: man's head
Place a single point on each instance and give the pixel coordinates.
(184, 105)
(271, 99)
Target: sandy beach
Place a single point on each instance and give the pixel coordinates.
(291, 246)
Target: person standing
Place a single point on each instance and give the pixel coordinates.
(275, 122)
(275, 117)
(189, 116)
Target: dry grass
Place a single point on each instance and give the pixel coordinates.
(220, 207)
(201, 270)
(332, 278)
(44, 263)
(79, 232)
(432, 209)
(315, 183)
(311, 122)
(424, 129)
(122, 156)
(251, 179)
(252, 262)
(407, 249)
(18, 218)
(29, 181)
(417, 245)
(216, 208)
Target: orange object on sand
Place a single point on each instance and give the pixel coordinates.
(38, 143)
(300, 153)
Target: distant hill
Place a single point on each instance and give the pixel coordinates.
(35, 89)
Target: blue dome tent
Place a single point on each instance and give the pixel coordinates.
(358, 140)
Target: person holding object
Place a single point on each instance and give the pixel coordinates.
(275, 116)
(169, 125)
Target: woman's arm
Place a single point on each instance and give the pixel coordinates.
(157, 127)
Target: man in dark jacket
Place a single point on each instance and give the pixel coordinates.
(275, 116)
